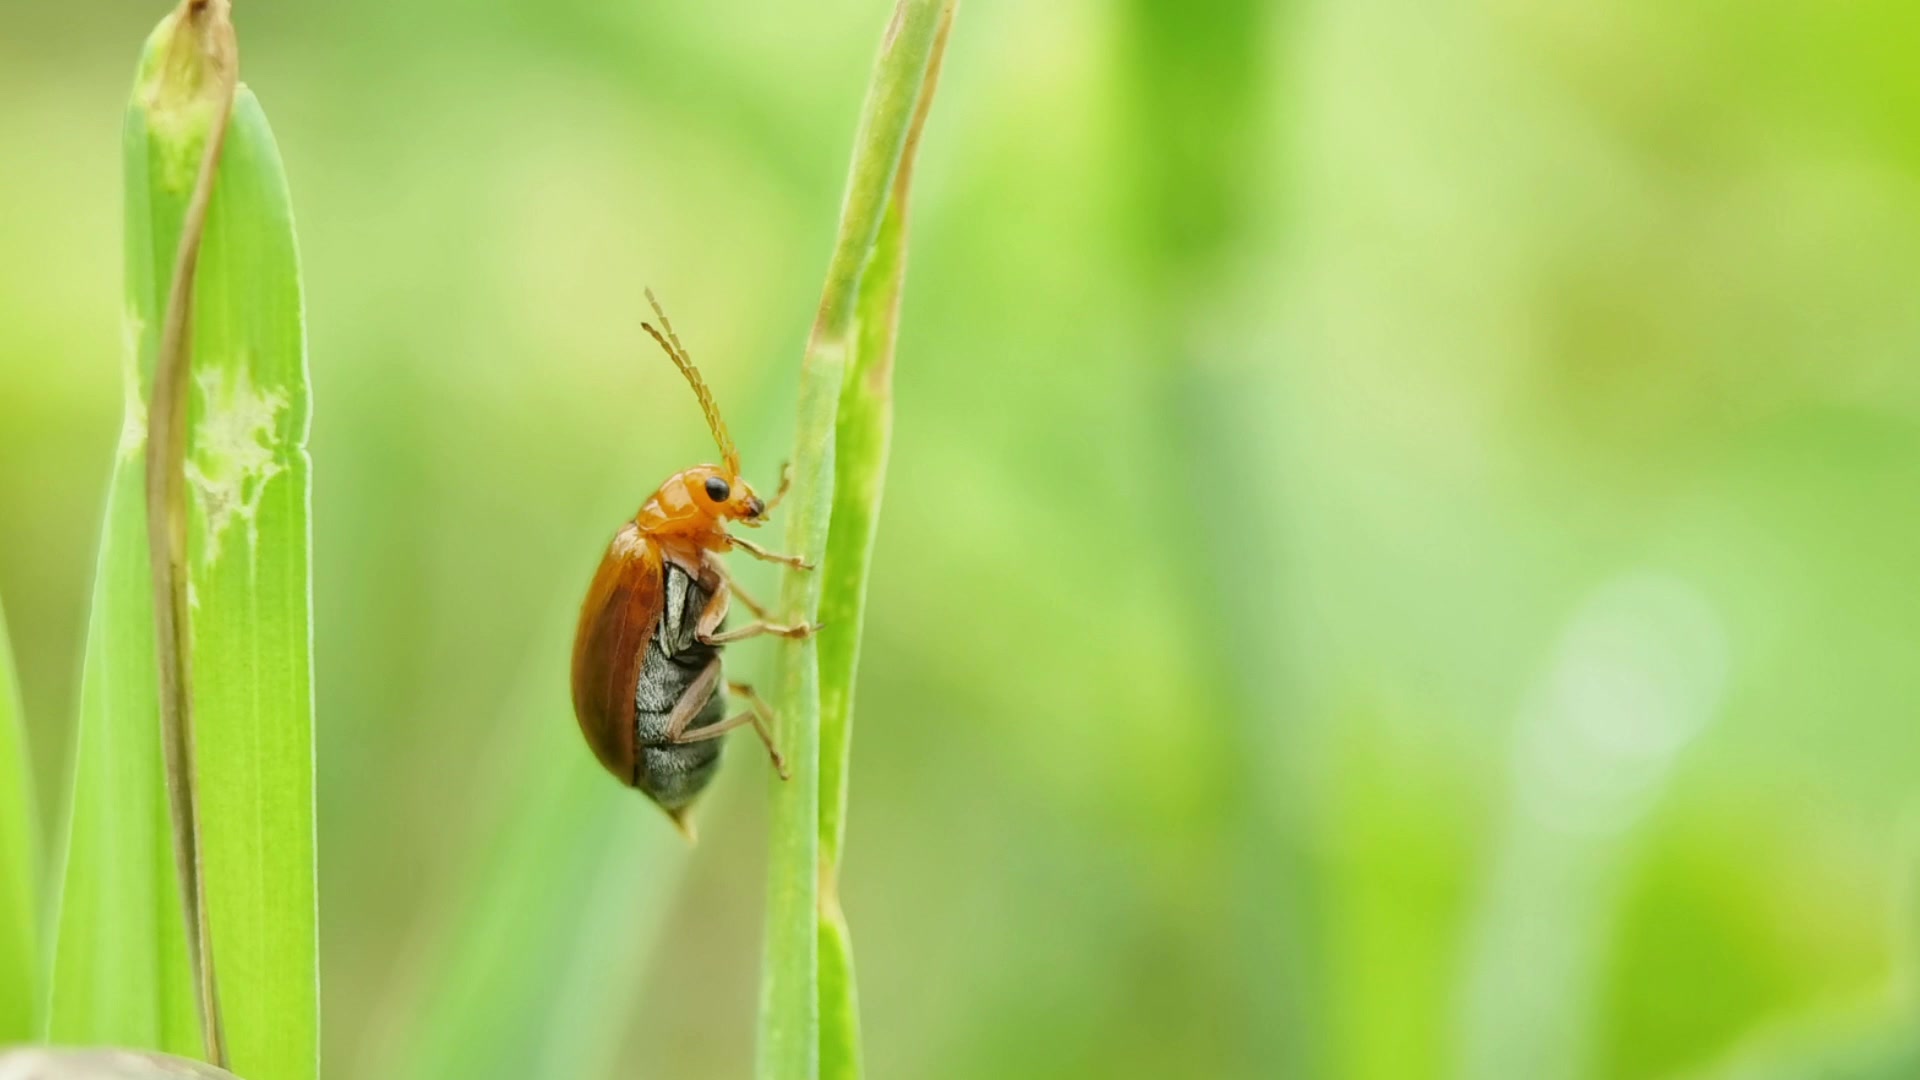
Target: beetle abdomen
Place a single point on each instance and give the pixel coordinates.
(673, 773)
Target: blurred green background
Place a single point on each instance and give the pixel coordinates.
(1399, 558)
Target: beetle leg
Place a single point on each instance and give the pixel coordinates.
(759, 552)
(707, 631)
(762, 714)
(755, 629)
(691, 702)
(715, 612)
(786, 482)
(759, 609)
(757, 714)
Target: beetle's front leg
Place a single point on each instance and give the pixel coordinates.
(780, 493)
(759, 552)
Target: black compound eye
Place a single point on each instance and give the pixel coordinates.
(717, 489)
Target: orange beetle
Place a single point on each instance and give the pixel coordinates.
(646, 655)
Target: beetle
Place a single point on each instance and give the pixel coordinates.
(647, 680)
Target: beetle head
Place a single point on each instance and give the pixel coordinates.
(723, 495)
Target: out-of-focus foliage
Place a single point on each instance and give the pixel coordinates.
(1477, 530)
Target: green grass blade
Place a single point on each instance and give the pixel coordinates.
(839, 1005)
(790, 1031)
(250, 486)
(860, 460)
(121, 973)
(861, 439)
(19, 863)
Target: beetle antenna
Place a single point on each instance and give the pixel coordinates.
(670, 342)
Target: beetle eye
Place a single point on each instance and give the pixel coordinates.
(717, 489)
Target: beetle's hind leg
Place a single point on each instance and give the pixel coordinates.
(699, 692)
(758, 714)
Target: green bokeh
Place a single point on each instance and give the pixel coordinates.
(1399, 558)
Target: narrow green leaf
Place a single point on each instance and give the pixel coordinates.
(839, 1005)
(250, 489)
(121, 972)
(861, 440)
(862, 435)
(19, 862)
(790, 1015)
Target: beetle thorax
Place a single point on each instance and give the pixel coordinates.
(674, 510)
(681, 520)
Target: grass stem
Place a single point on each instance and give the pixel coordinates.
(863, 434)
(790, 1032)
